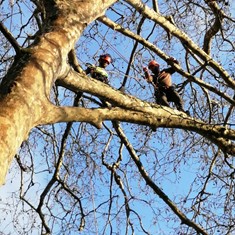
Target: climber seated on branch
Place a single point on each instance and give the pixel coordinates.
(161, 80)
(99, 72)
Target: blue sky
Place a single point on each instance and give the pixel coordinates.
(177, 177)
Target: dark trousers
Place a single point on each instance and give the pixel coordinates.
(165, 95)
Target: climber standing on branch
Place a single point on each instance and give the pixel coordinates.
(161, 80)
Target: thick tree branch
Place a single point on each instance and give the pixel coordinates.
(75, 81)
(136, 111)
(151, 116)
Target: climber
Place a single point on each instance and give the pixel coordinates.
(161, 80)
(99, 72)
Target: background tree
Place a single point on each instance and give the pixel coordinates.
(137, 167)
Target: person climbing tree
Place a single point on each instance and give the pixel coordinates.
(161, 80)
(99, 72)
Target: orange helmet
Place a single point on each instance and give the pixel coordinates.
(106, 57)
(153, 63)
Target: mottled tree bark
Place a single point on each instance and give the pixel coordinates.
(26, 88)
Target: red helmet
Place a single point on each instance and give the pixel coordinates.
(153, 63)
(106, 57)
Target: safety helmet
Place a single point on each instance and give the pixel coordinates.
(106, 57)
(153, 63)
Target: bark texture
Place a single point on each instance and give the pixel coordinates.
(26, 88)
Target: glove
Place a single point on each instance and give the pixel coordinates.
(145, 69)
(91, 66)
(172, 59)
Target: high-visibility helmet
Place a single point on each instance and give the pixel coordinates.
(106, 57)
(153, 63)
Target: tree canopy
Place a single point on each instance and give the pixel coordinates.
(78, 156)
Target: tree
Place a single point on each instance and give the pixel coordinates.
(91, 168)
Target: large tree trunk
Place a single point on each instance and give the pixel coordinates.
(26, 88)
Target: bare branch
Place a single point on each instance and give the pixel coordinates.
(219, 16)
(154, 187)
(161, 54)
(151, 14)
(10, 38)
